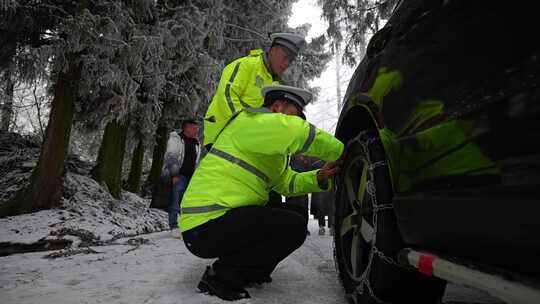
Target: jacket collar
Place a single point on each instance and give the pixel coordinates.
(257, 110)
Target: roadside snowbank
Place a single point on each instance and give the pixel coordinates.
(88, 215)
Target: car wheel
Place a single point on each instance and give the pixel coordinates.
(366, 238)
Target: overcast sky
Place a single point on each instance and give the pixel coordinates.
(323, 113)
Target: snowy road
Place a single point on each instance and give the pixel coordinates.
(163, 271)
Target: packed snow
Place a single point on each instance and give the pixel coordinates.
(157, 268)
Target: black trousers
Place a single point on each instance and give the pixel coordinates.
(248, 242)
(300, 205)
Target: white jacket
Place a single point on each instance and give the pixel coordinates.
(174, 156)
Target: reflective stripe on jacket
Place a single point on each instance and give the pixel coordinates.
(249, 159)
(240, 85)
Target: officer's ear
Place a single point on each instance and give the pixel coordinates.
(277, 106)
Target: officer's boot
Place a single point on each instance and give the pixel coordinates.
(212, 284)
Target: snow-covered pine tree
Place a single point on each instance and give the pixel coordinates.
(23, 59)
(49, 34)
(355, 19)
(191, 30)
(137, 63)
(80, 50)
(248, 23)
(309, 64)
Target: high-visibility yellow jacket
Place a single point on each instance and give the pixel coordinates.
(249, 159)
(240, 85)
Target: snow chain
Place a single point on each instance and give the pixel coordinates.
(371, 190)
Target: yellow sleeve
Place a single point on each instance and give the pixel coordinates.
(277, 133)
(293, 183)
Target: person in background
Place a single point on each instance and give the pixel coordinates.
(181, 157)
(322, 206)
(300, 163)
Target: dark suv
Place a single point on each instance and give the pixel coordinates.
(442, 179)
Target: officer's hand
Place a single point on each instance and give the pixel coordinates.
(175, 179)
(328, 170)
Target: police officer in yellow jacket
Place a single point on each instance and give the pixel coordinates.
(223, 210)
(241, 81)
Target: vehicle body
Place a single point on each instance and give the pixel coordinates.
(441, 119)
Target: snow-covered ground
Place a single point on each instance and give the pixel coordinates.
(157, 268)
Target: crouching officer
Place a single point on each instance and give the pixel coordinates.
(223, 210)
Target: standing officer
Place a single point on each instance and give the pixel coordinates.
(223, 211)
(242, 80)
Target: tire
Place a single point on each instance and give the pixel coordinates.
(366, 243)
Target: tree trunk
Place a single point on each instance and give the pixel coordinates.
(134, 180)
(47, 177)
(111, 155)
(111, 152)
(7, 103)
(157, 156)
